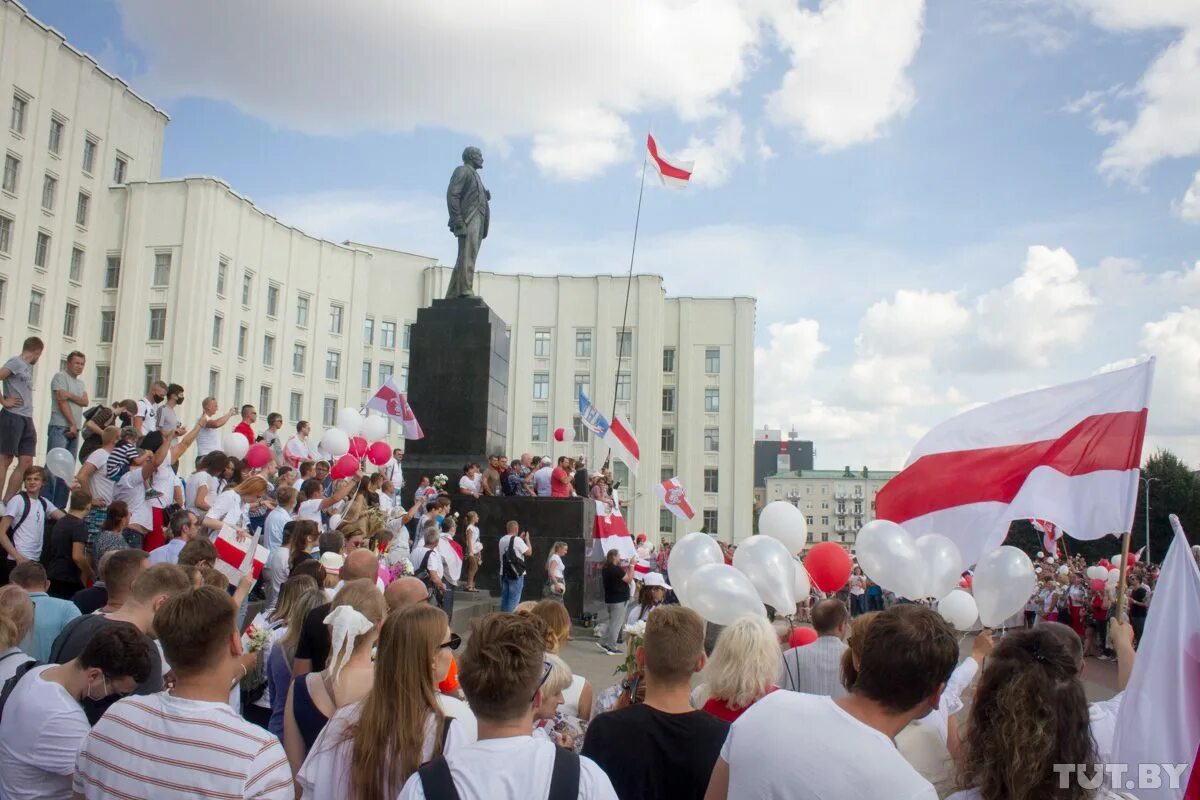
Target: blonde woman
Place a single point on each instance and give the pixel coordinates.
(279, 663)
(743, 668)
(354, 619)
(548, 718)
(16, 620)
(577, 697)
(277, 620)
(556, 587)
(473, 550)
(369, 749)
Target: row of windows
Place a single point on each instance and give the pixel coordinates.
(712, 440)
(624, 346)
(712, 399)
(666, 521)
(583, 383)
(57, 138)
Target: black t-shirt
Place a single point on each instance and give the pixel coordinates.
(91, 599)
(59, 564)
(616, 590)
(74, 638)
(314, 641)
(650, 754)
(1138, 594)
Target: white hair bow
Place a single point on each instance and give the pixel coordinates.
(347, 625)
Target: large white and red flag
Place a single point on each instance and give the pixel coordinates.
(1069, 453)
(1159, 719)
(610, 532)
(673, 172)
(391, 401)
(617, 434)
(673, 496)
(237, 555)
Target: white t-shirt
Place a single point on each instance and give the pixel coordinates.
(28, 537)
(435, 560)
(475, 546)
(471, 485)
(231, 509)
(1102, 718)
(164, 480)
(102, 486)
(44, 727)
(554, 567)
(149, 413)
(310, 510)
(386, 504)
(131, 490)
(10, 660)
(191, 488)
(277, 571)
(519, 547)
(296, 451)
(541, 481)
(804, 746)
(515, 766)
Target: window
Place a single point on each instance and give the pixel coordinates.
(712, 360)
(302, 311)
(268, 353)
(82, 206)
(667, 445)
(162, 269)
(19, 106)
(666, 520)
(541, 343)
(581, 431)
(89, 154)
(583, 344)
(222, 275)
(272, 300)
(158, 324)
(624, 344)
(6, 227)
(333, 365)
(49, 190)
(712, 440)
(583, 384)
(41, 251)
(243, 335)
(12, 171)
(824, 520)
(329, 412)
(154, 373)
(387, 334)
(385, 371)
(710, 521)
(239, 390)
(108, 323)
(407, 335)
(218, 331)
(56, 135)
(335, 317)
(669, 359)
(624, 385)
(70, 317)
(668, 398)
(404, 377)
(539, 429)
(36, 300)
(214, 382)
(247, 288)
(112, 272)
(710, 480)
(369, 331)
(296, 406)
(712, 399)
(75, 271)
(666, 473)
(809, 520)
(264, 398)
(366, 374)
(299, 353)
(541, 386)
(120, 165)
(102, 373)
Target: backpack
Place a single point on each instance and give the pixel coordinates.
(11, 683)
(511, 567)
(438, 784)
(422, 574)
(47, 525)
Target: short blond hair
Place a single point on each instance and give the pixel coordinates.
(560, 677)
(745, 662)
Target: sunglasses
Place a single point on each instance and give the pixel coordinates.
(455, 641)
(542, 682)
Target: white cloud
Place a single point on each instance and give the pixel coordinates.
(716, 158)
(762, 148)
(1175, 340)
(791, 354)
(1189, 207)
(912, 322)
(1042, 36)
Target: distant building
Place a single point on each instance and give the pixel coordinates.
(836, 503)
(775, 452)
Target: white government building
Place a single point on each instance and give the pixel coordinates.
(836, 503)
(188, 281)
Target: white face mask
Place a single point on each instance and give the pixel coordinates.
(104, 688)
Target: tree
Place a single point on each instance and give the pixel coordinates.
(1174, 489)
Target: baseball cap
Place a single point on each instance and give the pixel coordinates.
(332, 562)
(656, 579)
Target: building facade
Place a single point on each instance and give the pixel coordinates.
(836, 503)
(188, 281)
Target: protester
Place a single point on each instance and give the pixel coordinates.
(111, 535)
(428, 566)
(68, 567)
(616, 581)
(471, 482)
(285, 503)
(556, 586)
(639, 747)
(69, 397)
(541, 478)
(245, 427)
(22, 528)
(232, 506)
(118, 569)
(743, 668)
(473, 550)
(50, 614)
(131, 487)
(652, 595)
(501, 673)
(182, 528)
(18, 437)
(305, 536)
(560, 478)
(165, 740)
(1139, 606)
(813, 747)
(16, 621)
(205, 483)
(92, 477)
(816, 668)
(98, 418)
(513, 549)
(490, 480)
(577, 696)
(283, 652)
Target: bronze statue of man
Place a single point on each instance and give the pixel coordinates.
(467, 202)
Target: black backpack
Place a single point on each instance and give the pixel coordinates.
(438, 784)
(422, 574)
(47, 525)
(11, 683)
(511, 566)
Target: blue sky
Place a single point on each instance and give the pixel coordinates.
(936, 203)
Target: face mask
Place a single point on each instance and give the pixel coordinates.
(104, 689)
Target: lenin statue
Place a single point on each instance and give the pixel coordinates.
(467, 202)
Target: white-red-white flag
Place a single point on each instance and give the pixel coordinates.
(1159, 719)
(391, 401)
(673, 172)
(237, 556)
(673, 496)
(1050, 534)
(1069, 453)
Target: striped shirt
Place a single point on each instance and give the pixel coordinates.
(162, 747)
(815, 668)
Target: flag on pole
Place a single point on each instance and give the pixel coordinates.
(673, 173)
(1050, 533)
(235, 558)
(1070, 453)
(1159, 718)
(391, 401)
(610, 532)
(673, 496)
(617, 434)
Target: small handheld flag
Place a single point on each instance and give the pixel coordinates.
(391, 401)
(673, 496)
(617, 434)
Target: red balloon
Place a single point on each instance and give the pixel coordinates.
(1104, 563)
(801, 636)
(259, 455)
(828, 566)
(966, 582)
(379, 453)
(558, 434)
(344, 467)
(358, 446)
(1097, 584)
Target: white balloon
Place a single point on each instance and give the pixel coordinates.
(769, 566)
(1097, 571)
(374, 428)
(1115, 561)
(783, 521)
(721, 594)
(336, 442)
(801, 584)
(689, 554)
(1003, 582)
(349, 421)
(890, 557)
(941, 563)
(1049, 559)
(1041, 554)
(568, 433)
(959, 609)
(235, 445)
(1063, 570)
(61, 463)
